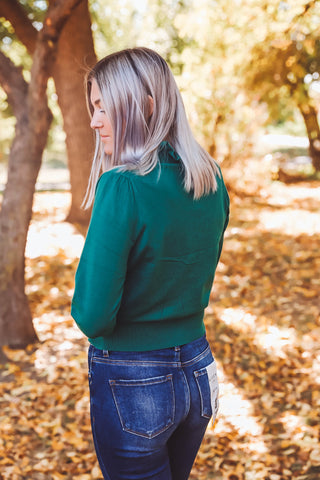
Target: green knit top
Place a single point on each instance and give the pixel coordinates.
(149, 259)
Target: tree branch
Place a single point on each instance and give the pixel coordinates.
(25, 31)
(45, 53)
(11, 78)
(13, 83)
(57, 14)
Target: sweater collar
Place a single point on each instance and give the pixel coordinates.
(167, 154)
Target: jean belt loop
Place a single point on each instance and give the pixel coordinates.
(105, 353)
(177, 351)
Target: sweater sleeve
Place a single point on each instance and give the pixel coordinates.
(102, 267)
(226, 204)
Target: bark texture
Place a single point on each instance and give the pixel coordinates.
(16, 326)
(29, 102)
(310, 118)
(75, 55)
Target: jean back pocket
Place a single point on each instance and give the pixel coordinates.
(207, 381)
(145, 407)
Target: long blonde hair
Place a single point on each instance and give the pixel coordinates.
(126, 80)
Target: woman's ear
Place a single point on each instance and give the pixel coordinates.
(151, 105)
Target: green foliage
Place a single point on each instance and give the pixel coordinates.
(36, 10)
(11, 46)
(115, 25)
(9, 43)
(164, 34)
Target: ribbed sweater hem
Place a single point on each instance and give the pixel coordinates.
(144, 336)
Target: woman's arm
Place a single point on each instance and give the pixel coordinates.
(103, 263)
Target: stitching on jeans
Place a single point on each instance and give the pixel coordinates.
(152, 362)
(197, 358)
(135, 362)
(141, 381)
(157, 432)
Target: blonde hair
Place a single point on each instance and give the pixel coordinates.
(126, 80)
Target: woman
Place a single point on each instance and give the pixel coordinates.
(146, 270)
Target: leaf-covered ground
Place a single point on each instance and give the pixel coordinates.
(263, 325)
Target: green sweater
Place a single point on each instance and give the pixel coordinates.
(149, 259)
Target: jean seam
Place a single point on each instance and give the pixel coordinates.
(197, 374)
(103, 468)
(135, 363)
(196, 359)
(188, 402)
(90, 366)
(152, 362)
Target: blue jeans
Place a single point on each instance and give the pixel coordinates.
(150, 410)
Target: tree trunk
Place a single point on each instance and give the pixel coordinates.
(16, 327)
(75, 56)
(29, 103)
(310, 118)
(212, 148)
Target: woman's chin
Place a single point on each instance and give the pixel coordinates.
(107, 150)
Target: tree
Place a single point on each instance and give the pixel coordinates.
(75, 53)
(229, 64)
(283, 67)
(33, 119)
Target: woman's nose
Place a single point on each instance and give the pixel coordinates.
(95, 123)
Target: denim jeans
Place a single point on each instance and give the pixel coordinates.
(150, 410)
